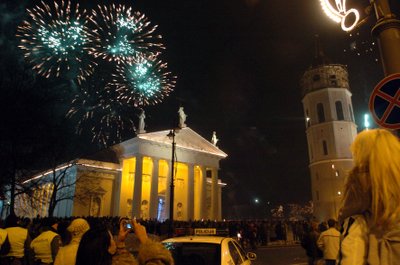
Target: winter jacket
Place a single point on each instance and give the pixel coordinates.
(329, 242)
(354, 241)
(150, 253)
(309, 243)
(67, 254)
(384, 247)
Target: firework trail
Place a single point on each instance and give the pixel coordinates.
(143, 81)
(99, 112)
(55, 39)
(120, 34)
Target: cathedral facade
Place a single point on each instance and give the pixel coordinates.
(133, 179)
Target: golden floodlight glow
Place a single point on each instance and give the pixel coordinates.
(340, 13)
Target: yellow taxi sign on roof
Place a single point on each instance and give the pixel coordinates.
(205, 231)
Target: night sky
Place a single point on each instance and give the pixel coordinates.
(239, 63)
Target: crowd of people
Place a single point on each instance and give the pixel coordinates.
(79, 241)
(367, 231)
(370, 216)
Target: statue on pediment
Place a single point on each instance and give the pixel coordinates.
(141, 129)
(182, 118)
(214, 138)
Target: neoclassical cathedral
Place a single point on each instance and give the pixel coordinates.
(133, 178)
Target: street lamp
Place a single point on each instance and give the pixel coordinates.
(386, 29)
(366, 121)
(171, 135)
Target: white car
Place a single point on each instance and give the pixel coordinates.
(207, 250)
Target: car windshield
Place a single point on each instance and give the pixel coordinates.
(195, 253)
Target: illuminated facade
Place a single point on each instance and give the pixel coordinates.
(146, 160)
(330, 130)
(133, 179)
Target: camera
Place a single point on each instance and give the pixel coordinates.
(128, 225)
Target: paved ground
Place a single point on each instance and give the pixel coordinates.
(281, 255)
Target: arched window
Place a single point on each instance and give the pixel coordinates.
(351, 113)
(321, 113)
(325, 147)
(339, 110)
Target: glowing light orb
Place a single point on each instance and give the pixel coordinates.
(121, 34)
(340, 13)
(143, 81)
(55, 39)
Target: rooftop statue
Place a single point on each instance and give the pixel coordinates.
(141, 129)
(214, 138)
(182, 118)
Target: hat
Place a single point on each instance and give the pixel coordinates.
(78, 227)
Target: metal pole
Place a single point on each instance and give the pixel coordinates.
(387, 31)
(171, 187)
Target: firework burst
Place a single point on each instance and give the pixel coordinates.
(55, 39)
(143, 81)
(99, 112)
(120, 34)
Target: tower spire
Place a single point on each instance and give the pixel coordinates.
(319, 55)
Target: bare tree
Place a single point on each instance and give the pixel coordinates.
(48, 189)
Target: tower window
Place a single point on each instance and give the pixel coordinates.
(316, 77)
(339, 110)
(325, 147)
(308, 119)
(351, 113)
(321, 113)
(332, 76)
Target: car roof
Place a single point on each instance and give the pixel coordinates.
(196, 239)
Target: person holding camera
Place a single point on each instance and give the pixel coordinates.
(98, 246)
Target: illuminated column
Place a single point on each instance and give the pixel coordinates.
(154, 189)
(203, 194)
(116, 209)
(190, 192)
(219, 203)
(137, 187)
(167, 190)
(41, 196)
(214, 194)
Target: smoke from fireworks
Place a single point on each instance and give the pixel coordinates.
(121, 34)
(143, 81)
(55, 39)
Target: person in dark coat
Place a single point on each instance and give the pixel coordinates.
(309, 243)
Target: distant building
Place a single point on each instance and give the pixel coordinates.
(330, 130)
(133, 179)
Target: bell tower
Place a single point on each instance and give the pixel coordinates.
(330, 130)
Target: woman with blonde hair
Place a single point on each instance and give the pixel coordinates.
(371, 206)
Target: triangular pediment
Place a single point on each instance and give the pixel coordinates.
(185, 138)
